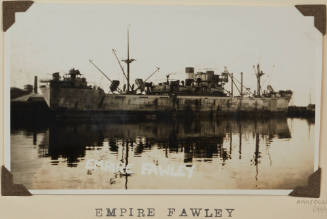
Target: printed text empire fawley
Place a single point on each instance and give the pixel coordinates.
(151, 212)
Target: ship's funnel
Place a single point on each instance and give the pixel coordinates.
(189, 72)
(209, 75)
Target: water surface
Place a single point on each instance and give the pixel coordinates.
(175, 154)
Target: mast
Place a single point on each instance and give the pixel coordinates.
(259, 74)
(232, 84)
(241, 84)
(126, 164)
(128, 78)
(257, 152)
(258, 81)
(35, 85)
(128, 61)
(240, 140)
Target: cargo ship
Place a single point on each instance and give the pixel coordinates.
(200, 92)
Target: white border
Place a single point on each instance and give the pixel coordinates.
(160, 192)
(318, 92)
(7, 148)
(7, 151)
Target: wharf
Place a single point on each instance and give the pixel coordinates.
(301, 111)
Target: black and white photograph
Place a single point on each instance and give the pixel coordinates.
(170, 98)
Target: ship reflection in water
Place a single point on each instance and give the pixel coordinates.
(188, 154)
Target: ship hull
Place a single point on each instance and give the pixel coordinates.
(92, 100)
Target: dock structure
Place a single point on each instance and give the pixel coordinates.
(301, 111)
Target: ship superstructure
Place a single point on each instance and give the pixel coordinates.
(201, 91)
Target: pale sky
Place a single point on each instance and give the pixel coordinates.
(56, 37)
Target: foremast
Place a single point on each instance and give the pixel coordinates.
(128, 61)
